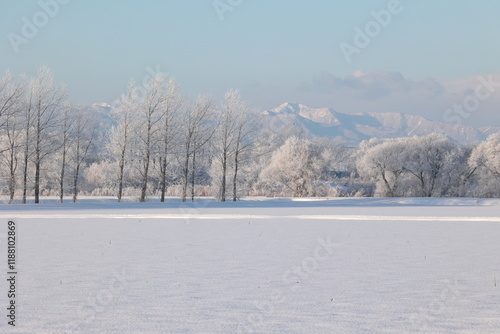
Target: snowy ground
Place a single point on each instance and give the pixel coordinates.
(256, 266)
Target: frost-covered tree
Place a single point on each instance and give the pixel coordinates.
(228, 142)
(11, 98)
(84, 132)
(487, 154)
(427, 160)
(382, 160)
(102, 175)
(222, 143)
(44, 103)
(295, 169)
(151, 115)
(124, 114)
(196, 131)
(169, 132)
(27, 119)
(10, 141)
(485, 160)
(66, 131)
(245, 131)
(459, 175)
(418, 166)
(11, 95)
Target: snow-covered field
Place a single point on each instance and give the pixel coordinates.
(353, 265)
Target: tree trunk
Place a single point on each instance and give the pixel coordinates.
(37, 160)
(146, 165)
(224, 172)
(61, 181)
(120, 177)
(37, 178)
(163, 162)
(25, 171)
(193, 171)
(75, 183)
(147, 157)
(12, 180)
(422, 183)
(163, 181)
(185, 171)
(463, 182)
(145, 177)
(235, 172)
(389, 189)
(77, 170)
(26, 153)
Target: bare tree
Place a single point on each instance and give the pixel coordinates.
(196, 133)
(84, 134)
(28, 119)
(11, 94)
(231, 139)
(45, 102)
(169, 131)
(66, 135)
(193, 174)
(124, 115)
(13, 132)
(151, 113)
(224, 140)
(243, 140)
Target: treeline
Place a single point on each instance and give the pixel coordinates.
(157, 143)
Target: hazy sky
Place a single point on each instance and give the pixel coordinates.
(423, 58)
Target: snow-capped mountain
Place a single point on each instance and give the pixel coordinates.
(353, 128)
(103, 113)
(102, 106)
(488, 130)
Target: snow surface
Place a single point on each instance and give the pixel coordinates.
(347, 265)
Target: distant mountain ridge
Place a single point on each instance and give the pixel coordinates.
(354, 128)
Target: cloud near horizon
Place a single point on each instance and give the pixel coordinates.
(385, 91)
(374, 85)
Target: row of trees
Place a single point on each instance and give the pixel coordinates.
(162, 132)
(36, 122)
(428, 166)
(156, 142)
(152, 138)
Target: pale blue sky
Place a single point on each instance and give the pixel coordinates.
(274, 51)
